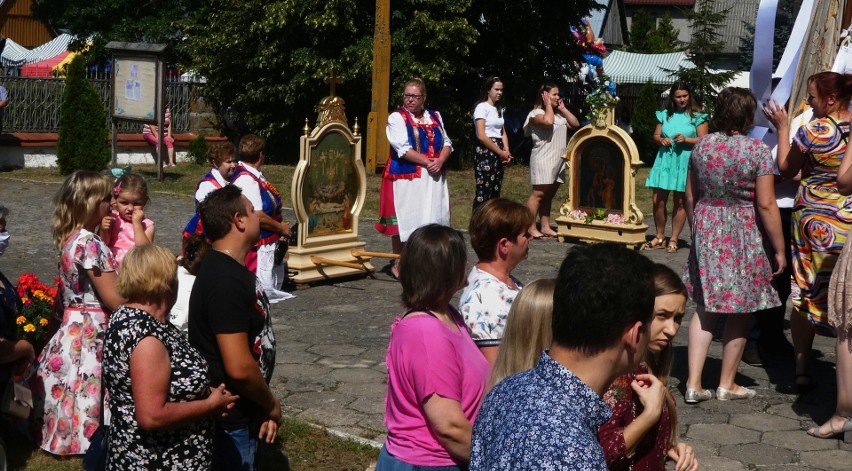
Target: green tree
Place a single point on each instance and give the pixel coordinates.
(642, 25)
(644, 121)
(100, 21)
(523, 43)
(785, 16)
(703, 49)
(664, 38)
(83, 135)
(267, 60)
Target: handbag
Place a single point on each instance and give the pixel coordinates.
(95, 458)
(17, 400)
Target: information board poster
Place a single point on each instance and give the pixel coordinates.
(135, 88)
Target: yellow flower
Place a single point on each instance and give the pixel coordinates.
(43, 322)
(29, 328)
(20, 320)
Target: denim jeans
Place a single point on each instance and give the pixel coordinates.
(388, 463)
(235, 450)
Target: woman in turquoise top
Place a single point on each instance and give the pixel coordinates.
(680, 126)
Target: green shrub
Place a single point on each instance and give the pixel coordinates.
(644, 122)
(83, 134)
(197, 150)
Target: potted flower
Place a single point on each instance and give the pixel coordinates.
(34, 318)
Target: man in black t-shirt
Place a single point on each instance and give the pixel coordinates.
(229, 324)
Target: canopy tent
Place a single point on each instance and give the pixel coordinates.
(46, 68)
(15, 55)
(631, 67)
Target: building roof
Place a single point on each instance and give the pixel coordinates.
(631, 67)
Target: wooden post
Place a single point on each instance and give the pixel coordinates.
(377, 140)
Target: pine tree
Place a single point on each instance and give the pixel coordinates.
(784, 19)
(644, 121)
(664, 38)
(641, 27)
(83, 135)
(703, 49)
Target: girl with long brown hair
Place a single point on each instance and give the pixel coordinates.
(642, 431)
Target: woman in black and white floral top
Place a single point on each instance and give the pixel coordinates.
(161, 401)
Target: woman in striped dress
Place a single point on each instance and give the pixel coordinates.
(548, 124)
(821, 215)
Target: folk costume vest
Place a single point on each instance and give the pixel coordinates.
(427, 139)
(270, 199)
(194, 224)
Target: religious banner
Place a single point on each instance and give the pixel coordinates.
(601, 203)
(329, 187)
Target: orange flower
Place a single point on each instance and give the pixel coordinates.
(20, 320)
(43, 322)
(29, 328)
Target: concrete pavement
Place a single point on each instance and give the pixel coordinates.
(332, 340)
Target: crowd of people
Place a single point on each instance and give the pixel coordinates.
(164, 362)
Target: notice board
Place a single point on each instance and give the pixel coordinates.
(135, 88)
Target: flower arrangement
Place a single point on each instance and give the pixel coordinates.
(601, 99)
(578, 215)
(37, 298)
(613, 218)
(597, 215)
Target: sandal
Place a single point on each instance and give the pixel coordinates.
(672, 247)
(655, 243)
(832, 432)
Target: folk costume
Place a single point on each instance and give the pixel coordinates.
(209, 183)
(410, 196)
(264, 196)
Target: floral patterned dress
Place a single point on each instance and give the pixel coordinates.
(130, 447)
(69, 367)
(728, 270)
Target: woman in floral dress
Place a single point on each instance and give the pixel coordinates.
(821, 216)
(730, 184)
(70, 365)
(161, 402)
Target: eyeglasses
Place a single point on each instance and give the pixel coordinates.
(409, 96)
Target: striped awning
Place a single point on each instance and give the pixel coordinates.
(15, 55)
(631, 67)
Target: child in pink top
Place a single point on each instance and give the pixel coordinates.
(126, 226)
(436, 374)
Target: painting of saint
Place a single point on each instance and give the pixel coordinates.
(330, 186)
(600, 177)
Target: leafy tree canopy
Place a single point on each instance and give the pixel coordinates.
(785, 16)
(267, 59)
(703, 49)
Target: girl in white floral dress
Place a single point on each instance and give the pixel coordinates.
(69, 368)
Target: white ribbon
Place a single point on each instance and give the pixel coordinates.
(787, 66)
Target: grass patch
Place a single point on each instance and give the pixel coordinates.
(182, 180)
(310, 448)
(299, 447)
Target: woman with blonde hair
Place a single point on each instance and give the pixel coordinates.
(161, 402)
(70, 365)
(528, 331)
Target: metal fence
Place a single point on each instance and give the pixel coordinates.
(34, 103)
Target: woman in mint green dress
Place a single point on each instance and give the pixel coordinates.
(680, 126)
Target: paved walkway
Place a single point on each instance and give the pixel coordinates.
(332, 341)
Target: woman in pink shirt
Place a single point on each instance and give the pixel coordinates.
(436, 374)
